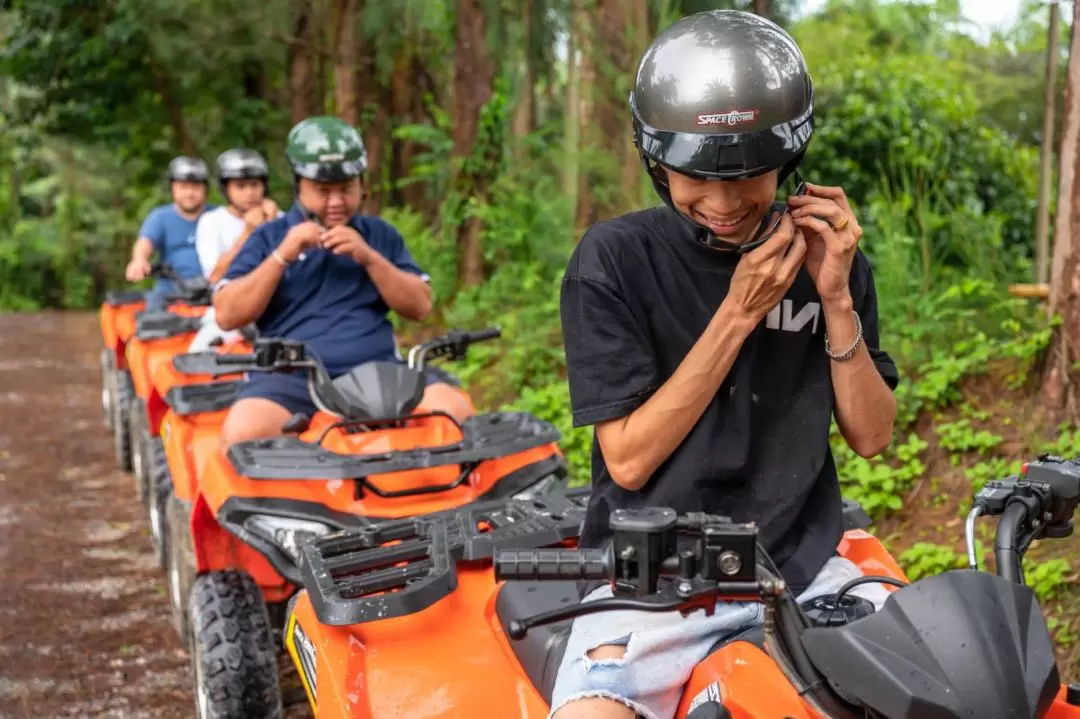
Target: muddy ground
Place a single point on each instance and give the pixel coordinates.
(84, 615)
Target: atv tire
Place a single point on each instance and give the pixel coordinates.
(108, 388)
(233, 654)
(160, 487)
(140, 459)
(180, 563)
(121, 407)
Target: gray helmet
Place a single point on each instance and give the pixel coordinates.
(237, 164)
(188, 169)
(725, 95)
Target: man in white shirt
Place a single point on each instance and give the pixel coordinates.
(244, 175)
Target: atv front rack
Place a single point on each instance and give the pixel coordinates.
(398, 567)
(197, 398)
(205, 362)
(160, 325)
(486, 437)
(119, 298)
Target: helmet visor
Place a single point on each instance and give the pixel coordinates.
(329, 172)
(724, 156)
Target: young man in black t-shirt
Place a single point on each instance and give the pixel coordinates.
(710, 342)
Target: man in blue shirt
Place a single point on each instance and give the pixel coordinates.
(169, 230)
(326, 276)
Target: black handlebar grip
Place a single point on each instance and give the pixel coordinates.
(551, 564)
(482, 335)
(235, 359)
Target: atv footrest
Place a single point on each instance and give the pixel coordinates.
(121, 298)
(196, 398)
(160, 325)
(397, 567)
(485, 437)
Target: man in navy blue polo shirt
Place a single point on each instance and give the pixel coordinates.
(326, 276)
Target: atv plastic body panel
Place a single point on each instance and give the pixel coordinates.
(963, 643)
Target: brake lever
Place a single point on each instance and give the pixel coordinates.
(690, 596)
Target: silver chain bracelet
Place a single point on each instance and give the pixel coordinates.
(844, 357)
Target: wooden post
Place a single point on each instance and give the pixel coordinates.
(1042, 219)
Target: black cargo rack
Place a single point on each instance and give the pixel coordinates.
(160, 325)
(119, 298)
(485, 437)
(206, 397)
(398, 567)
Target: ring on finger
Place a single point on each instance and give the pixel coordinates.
(843, 223)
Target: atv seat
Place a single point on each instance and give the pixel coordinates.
(542, 649)
(374, 390)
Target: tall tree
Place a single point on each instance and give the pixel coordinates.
(302, 66)
(474, 76)
(345, 67)
(1061, 384)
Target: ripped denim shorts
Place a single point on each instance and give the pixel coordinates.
(662, 649)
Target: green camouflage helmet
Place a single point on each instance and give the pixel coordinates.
(326, 149)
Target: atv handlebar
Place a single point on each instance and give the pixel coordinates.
(645, 548)
(727, 562)
(195, 290)
(1039, 502)
(454, 345)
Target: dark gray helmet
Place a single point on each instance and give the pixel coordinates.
(238, 164)
(188, 169)
(723, 94)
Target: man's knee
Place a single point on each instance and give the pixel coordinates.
(598, 707)
(253, 418)
(447, 398)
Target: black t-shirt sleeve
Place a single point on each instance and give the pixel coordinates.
(866, 306)
(611, 367)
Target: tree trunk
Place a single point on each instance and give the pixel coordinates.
(761, 7)
(638, 38)
(474, 75)
(1060, 384)
(373, 98)
(345, 68)
(174, 107)
(585, 23)
(608, 60)
(525, 112)
(254, 79)
(301, 66)
(572, 113)
(1042, 217)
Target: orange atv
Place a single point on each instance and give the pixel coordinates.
(186, 392)
(386, 605)
(128, 332)
(236, 522)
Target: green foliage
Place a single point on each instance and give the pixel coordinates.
(944, 191)
(879, 484)
(1048, 578)
(960, 436)
(924, 559)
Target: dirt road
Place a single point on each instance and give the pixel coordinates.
(84, 616)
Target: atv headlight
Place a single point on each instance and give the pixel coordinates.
(286, 533)
(541, 487)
